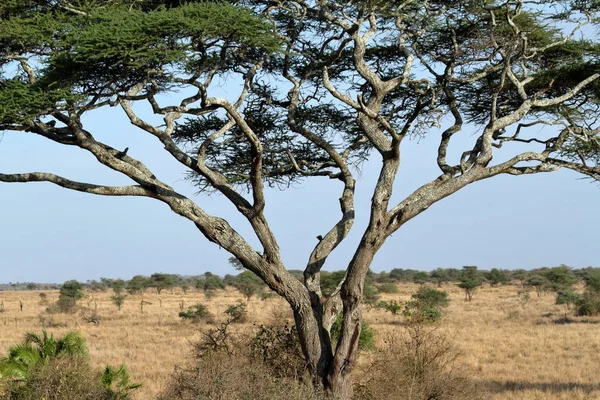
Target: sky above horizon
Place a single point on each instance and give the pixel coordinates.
(50, 234)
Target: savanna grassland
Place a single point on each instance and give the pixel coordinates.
(513, 347)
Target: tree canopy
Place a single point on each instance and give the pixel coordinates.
(314, 89)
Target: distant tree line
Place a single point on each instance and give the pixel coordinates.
(540, 279)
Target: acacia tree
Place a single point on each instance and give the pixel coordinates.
(323, 85)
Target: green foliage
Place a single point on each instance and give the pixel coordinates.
(161, 281)
(560, 278)
(118, 286)
(237, 313)
(116, 45)
(196, 313)
(266, 294)
(137, 284)
(389, 288)
(117, 382)
(537, 281)
(420, 278)
(72, 289)
(470, 281)
(21, 102)
(62, 378)
(330, 281)
(392, 306)
(440, 276)
(497, 277)
(210, 282)
(589, 302)
(568, 298)
(427, 304)
(45, 367)
(248, 284)
(118, 300)
(70, 292)
(36, 349)
(366, 340)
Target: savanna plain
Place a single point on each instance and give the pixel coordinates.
(513, 346)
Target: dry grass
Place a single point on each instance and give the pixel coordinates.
(515, 349)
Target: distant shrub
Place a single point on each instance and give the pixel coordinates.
(589, 303)
(366, 341)
(64, 305)
(196, 313)
(70, 292)
(237, 313)
(266, 294)
(118, 300)
(427, 304)
(392, 306)
(209, 294)
(389, 288)
(568, 298)
(470, 281)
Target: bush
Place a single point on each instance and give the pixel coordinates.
(45, 367)
(470, 280)
(237, 313)
(390, 288)
(392, 306)
(420, 363)
(568, 298)
(64, 305)
(266, 295)
(196, 313)
(222, 376)
(63, 378)
(278, 349)
(366, 341)
(427, 304)
(589, 303)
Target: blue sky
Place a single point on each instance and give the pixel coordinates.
(50, 234)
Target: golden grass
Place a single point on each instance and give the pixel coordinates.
(516, 349)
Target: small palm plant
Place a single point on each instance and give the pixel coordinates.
(37, 349)
(117, 382)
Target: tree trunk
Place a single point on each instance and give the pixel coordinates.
(338, 380)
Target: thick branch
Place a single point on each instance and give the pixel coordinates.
(77, 186)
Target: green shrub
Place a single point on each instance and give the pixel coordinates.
(266, 294)
(237, 313)
(45, 367)
(196, 313)
(427, 304)
(117, 382)
(589, 303)
(392, 306)
(390, 288)
(366, 341)
(118, 300)
(63, 378)
(568, 298)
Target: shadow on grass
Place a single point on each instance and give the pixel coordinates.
(550, 387)
(566, 320)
